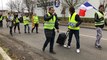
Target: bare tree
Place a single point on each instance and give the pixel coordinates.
(16, 5)
(30, 5)
(10, 5)
(67, 3)
(75, 3)
(44, 4)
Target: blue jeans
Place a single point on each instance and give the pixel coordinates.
(25, 26)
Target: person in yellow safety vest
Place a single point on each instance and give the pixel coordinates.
(16, 23)
(73, 27)
(1, 20)
(49, 29)
(10, 22)
(26, 21)
(99, 24)
(35, 22)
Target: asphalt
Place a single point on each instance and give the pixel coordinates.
(87, 37)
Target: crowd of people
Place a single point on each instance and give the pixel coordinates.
(51, 23)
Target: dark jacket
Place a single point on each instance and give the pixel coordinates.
(97, 19)
(47, 18)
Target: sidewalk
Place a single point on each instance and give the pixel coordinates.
(4, 55)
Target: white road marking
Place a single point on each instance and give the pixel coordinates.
(4, 55)
(92, 36)
(88, 36)
(41, 27)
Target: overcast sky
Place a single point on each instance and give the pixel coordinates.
(4, 4)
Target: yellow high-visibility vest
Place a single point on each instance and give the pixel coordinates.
(73, 21)
(50, 24)
(36, 20)
(100, 15)
(1, 18)
(17, 20)
(25, 20)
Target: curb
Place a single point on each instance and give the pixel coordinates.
(4, 55)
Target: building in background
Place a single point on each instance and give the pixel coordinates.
(59, 8)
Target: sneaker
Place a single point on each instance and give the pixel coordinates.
(36, 32)
(52, 52)
(43, 49)
(69, 47)
(78, 50)
(19, 32)
(29, 32)
(65, 46)
(99, 47)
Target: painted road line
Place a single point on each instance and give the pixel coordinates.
(4, 55)
(92, 36)
(88, 36)
(81, 35)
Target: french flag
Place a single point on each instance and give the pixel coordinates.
(84, 7)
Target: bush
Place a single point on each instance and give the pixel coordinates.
(88, 20)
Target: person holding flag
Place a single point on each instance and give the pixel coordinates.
(99, 24)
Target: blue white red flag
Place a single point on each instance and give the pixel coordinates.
(84, 7)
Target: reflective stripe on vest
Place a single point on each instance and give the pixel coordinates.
(73, 21)
(1, 18)
(25, 21)
(100, 16)
(50, 24)
(36, 20)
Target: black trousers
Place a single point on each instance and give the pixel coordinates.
(11, 30)
(50, 36)
(36, 25)
(76, 33)
(25, 27)
(1, 23)
(18, 26)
